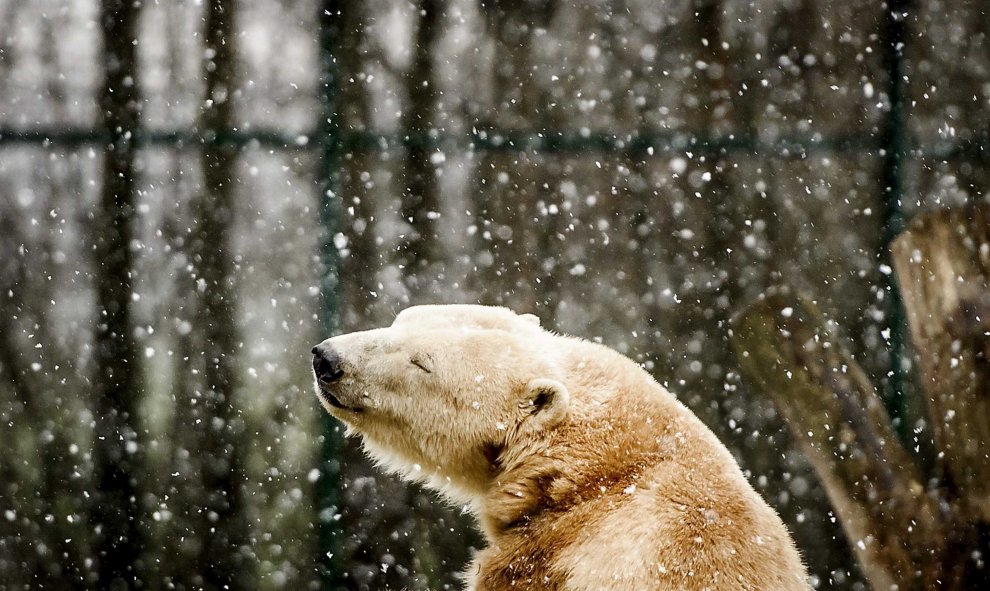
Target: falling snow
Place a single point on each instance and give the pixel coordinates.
(631, 176)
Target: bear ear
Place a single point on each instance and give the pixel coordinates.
(531, 318)
(545, 404)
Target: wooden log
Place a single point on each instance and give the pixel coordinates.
(783, 344)
(943, 268)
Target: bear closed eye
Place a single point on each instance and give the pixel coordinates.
(582, 471)
(423, 361)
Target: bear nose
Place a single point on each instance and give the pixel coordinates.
(326, 363)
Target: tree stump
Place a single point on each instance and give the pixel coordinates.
(943, 269)
(908, 531)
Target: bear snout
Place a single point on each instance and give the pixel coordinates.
(327, 364)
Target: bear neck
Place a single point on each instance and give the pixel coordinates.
(547, 473)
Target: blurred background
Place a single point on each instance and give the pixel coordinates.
(194, 192)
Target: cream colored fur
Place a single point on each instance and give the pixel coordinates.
(583, 472)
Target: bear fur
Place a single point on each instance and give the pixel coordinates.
(583, 472)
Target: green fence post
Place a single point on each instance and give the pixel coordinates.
(894, 144)
(328, 486)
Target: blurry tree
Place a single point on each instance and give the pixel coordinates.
(217, 429)
(421, 200)
(908, 531)
(513, 233)
(48, 521)
(14, 556)
(362, 258)
(116, 515)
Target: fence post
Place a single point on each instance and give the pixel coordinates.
(894, 143)
(328, 485)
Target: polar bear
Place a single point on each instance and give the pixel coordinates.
(583, 472)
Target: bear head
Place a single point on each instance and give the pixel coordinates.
(438, 394)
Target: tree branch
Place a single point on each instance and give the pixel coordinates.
(835, 414)
(943, 269)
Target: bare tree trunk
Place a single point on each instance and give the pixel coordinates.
(222, 560)
(59, 494)
(363, 261)
(19, 562)
(116, 453)
(943, 268)
(840, 422)
(420, 199)
(909, 532)
(510, 270)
